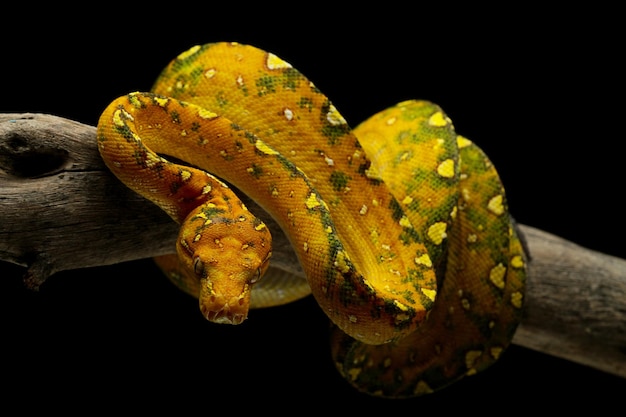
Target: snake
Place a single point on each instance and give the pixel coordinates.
(400, 224)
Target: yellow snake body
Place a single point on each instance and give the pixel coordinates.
(400, 224)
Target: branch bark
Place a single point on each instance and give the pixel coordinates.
(56, 194)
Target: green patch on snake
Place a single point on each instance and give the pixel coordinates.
(256, 171)
(266, 85)
(333, 132)
(396, 210)
(305, 103)
(125, 132)
(221, 100)
(175, 116)
(416, 278)
(402, 313)
(421, 176)
(186, 58)
(251, 137)
(291, 79)
(195, 126)
(475, 161)
(409, 236)
(483, 322)
(478, 228)
(185, 83)
(135, 101)
(175, 186)
(243, 87)
(339, 180)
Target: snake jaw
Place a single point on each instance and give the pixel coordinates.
(225, 297)
(222, 309)
(220, 312)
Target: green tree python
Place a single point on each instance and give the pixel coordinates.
(400, 224)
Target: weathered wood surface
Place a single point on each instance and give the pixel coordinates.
(56, 194)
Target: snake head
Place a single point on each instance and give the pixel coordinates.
(228, 255)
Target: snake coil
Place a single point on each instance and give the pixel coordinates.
(400, 224)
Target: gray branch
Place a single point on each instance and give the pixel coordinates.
(62, 209)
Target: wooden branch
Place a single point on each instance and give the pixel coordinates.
(62, 209)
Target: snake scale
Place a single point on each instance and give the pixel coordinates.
(400, 224)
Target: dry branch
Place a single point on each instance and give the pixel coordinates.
(56, 194)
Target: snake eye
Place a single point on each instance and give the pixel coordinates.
(257, 276)
(261, 270)
(198, 266)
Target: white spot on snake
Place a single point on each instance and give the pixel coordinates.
(422, 388)
(517, 262)
(446, 168)
(437, 232)
(312, 201)
(263, 147)
(119, 116)
(334, 117)
(431, 294)
(206, 114)
(424, 260)
(161, 101)
(185, 175)
(363, 210)
(466, 194)
(288, 114)
(404, 222)
(496, 205)
(471, 357)
(438, 119)
(189, 52)
(210, 73)
(273, 62)
(516, 299)
(462, 142)
(496, 275)
(495, 352)
(341, 262)
(453, 212)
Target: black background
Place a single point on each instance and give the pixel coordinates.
(540, 91)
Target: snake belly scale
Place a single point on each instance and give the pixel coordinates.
(400, 224)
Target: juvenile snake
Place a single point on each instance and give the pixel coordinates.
(400, 224)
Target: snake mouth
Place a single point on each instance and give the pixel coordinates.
(217, 310)
(224, 316)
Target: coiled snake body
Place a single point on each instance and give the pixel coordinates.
(400, 224)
